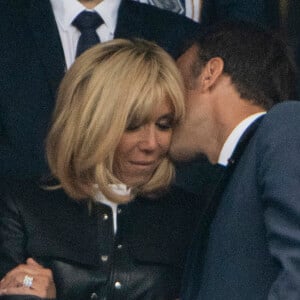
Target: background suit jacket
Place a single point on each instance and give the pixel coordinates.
(65, 236)
(253, 250)
(293, 31)
(261, 12)
(32, 66)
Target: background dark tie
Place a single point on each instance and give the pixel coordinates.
(87, 22)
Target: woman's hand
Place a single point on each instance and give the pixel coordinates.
(29, 279)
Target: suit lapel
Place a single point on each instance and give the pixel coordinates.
(196, 256)
(47, 41)
(232, 163)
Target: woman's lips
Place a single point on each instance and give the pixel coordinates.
(143, 163)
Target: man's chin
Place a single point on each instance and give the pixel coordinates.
(181, 155)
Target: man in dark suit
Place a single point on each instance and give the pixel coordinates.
(38, 44)
(235, 74)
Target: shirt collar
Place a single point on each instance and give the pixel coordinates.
(120, 189)
(66, 11)
(234, 137)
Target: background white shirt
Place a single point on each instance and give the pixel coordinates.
(234, 137)
(65, 11)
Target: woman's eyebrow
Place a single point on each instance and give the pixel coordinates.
(166, 116)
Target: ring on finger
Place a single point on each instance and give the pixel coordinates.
(27, 281)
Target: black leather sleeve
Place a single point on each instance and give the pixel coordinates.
(12, 235)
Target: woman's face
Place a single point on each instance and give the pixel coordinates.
(142, 148)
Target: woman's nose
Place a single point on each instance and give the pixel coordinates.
(148, 140)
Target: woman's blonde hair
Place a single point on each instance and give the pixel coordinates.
(107, 88)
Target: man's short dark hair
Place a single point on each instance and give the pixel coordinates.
(259, 62)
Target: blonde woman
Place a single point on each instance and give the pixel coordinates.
(108, 226)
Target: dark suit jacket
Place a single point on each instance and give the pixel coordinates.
(253, 250)
(261, 12)
(64, 235)
(32, 65)
(293, 31)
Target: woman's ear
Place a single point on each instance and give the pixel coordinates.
(210, 73)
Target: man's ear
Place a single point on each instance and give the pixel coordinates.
(211, 72)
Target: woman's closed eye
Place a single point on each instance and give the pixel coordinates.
(165, 123)
(133, 127)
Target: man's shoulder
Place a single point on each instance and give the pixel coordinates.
(290, 105)
(285, 112)
(280, 127)
(13, 12)
(15, 6)
(29, 193)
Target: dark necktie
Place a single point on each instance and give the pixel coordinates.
(87, 22)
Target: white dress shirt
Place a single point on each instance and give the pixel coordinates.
(120, 189)
(65, 11)
(233, 139)
(193, 9)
